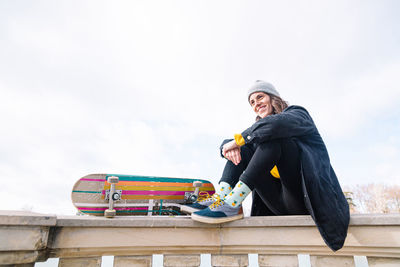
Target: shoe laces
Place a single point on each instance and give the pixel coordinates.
(203, 195)
(217, 203)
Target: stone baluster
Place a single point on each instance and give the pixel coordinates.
(80, 262)
(133, 261)
(240, 260)
(323, 261)
(181, 260)
(278, 261)
(383, 262)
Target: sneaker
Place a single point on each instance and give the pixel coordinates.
(203, 201)
(218, 212)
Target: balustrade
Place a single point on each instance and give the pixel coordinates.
(26, 238)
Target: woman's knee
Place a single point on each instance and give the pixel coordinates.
(272, 147)
(246, 153)
(266, 155)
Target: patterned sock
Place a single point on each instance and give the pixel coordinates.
(238, 194)
(223, 189)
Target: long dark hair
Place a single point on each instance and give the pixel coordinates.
(278, 104)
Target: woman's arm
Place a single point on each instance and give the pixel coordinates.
(230, 151)
(221, 148)
(293, 121)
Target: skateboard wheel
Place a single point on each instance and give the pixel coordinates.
(112, 179)
(197, 184)
(193, 198)
(110, 213)
(116, 196)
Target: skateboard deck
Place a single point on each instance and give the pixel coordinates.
(137, 195)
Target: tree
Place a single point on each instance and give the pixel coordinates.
(373, 198)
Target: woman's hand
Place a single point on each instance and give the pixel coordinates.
(231, 151)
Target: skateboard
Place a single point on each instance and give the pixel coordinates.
(113, 194)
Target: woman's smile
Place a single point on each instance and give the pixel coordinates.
(261, 108)
(261, 104)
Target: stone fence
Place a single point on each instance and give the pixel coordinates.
(26, 238)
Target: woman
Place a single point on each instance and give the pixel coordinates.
(283, 160)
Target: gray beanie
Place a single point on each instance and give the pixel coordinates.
(261, 86)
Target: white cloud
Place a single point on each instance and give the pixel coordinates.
(359, 102)
(386, 156)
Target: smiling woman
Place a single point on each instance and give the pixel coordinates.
(269, 100)
(283, 160)
(261, 104)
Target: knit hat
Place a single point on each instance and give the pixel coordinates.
(261, 86)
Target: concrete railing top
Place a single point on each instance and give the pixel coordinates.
(14, 217)
(31, 218)
(27, 237)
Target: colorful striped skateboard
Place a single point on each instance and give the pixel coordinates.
(110, 194)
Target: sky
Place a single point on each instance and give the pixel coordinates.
(153, 87)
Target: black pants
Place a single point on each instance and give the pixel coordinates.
(271, 195)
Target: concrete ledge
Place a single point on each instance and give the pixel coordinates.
(185, 221)
(14, 217)
(24, 236)
(180, 221)
(32, 218)
(373, 235)
(375, 219)
(27, 237)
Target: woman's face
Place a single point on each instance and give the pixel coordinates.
(261, 104)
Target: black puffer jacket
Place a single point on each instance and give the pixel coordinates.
(323, 195)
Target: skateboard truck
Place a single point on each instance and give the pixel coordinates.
(114, 196)
(193, 197)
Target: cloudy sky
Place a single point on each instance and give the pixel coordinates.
(153, 87)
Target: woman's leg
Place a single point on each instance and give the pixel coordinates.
(258, 177)
(232, 172)
(230, 177)
(284, 195)
(291, 178)
(258, 207)
(281, 196)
